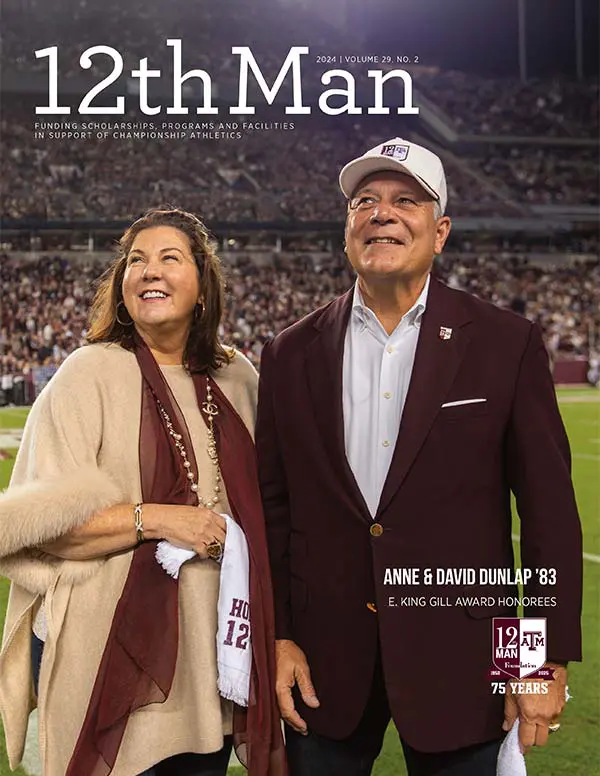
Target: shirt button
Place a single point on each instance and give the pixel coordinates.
(376, 529)
(386, 443)
(387, 395)
(390, 349)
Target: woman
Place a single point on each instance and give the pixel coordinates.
(116, 455)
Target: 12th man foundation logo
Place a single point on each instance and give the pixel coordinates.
(399, 152)
(519, 645)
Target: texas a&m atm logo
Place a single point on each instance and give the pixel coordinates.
(519, 645)
(399, 152)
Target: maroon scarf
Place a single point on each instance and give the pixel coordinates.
(138, 663)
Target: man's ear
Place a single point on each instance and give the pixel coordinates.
(442, 231)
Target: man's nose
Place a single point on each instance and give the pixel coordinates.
(383, 213)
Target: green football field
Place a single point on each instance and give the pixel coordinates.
(575, 750)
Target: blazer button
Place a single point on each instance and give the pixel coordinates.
(372, 608)
(376, 529)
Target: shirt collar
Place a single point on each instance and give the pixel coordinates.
(363, 313)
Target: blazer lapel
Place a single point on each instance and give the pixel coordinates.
(324, 362)
(437, 359)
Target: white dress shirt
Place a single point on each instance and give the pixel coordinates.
(375, 379)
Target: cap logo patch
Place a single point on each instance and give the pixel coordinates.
(399, 152)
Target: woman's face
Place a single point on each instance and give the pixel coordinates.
(161, 285)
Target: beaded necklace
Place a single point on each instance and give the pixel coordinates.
(211, 410)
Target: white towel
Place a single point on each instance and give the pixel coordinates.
(172, 558)
(510, 758)
(234, 645)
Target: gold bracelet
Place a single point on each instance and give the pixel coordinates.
(139, 525)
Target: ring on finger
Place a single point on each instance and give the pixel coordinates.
(214, 550)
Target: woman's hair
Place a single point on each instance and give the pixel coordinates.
(109, 320)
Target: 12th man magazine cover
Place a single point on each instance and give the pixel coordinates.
(244, 114)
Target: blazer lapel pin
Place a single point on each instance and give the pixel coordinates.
(445, 333)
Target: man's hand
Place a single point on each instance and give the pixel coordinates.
(292, 669)
(536, 711)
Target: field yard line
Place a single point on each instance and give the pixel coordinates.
(587, 456)
(586, 555)
(579, 398)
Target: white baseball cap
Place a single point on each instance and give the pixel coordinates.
(401, 156)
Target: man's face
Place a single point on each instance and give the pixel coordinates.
(391, 229)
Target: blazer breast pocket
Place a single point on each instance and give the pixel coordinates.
(463, 409)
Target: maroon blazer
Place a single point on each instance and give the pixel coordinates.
(445, 503)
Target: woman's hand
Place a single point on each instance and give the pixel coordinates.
(192, 528)
(113, 530)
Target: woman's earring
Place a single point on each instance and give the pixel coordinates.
(123, 323)
(198, 311)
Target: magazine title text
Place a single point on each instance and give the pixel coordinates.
(389, 90)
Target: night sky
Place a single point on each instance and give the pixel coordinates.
(481, 35)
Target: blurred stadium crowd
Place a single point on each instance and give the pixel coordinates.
(45, 304)
(139, 28)
(517, 147)
(273, 175)
(267, 176)
(558, 108)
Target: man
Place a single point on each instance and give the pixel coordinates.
(393, 424)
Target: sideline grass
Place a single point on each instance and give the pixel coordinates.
(574, 751)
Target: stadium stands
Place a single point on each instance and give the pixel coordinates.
(521, 160)
(45, 303)
(265, 176)
(489, 106)
(274, 175)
